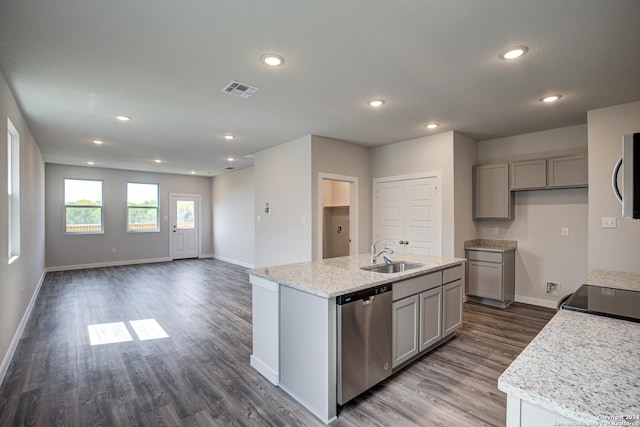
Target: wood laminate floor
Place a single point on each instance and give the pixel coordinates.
(200, 374)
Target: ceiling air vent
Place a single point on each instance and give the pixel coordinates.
(229, 168)
(239, 89)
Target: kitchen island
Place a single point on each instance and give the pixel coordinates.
(295, 320)
(581, 369)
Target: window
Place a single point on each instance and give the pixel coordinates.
(142, 207)
(83, 206)
(13, 191)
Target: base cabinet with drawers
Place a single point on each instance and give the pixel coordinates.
(427, 309)
(491, 276)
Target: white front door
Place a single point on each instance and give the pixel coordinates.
(185, 233)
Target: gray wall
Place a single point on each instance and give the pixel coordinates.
(283, 179)
(20, 279)
(543, 254)
(95, 249)
(618, 248)
(340, 158)
(234, 226)
(465, 153)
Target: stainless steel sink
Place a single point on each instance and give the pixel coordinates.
(394, 267)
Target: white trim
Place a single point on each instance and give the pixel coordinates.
(374, 200)
(353, 210)
(207, 256)
(264, 369)
(233, 261)
(171, 220)
(106, 264)
(4, 366)
(536, 301)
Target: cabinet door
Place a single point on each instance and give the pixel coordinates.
(405, 329)
(485, 279)
(568, 171)
(528, 175)
(451, 307)
(430, 317)
(491, 195)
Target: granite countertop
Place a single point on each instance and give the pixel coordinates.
(492, 245)
(338, 276)
(582, 366)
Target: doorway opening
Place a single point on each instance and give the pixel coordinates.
(338, 216)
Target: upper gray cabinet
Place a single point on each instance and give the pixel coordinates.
(554, 172)
(567, 171)
(528, 175)
(491, 195)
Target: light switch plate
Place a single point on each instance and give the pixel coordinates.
(564, 231)
(609, 222)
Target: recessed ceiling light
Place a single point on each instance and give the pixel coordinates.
(91, 163)
(272, 59)
(229, 137)
(193, 172)
(123, 118)
(98, 141)
(551, 98)
(157, 160)
(376, 103)
(230, 159)
(432, 125)
(513, 52)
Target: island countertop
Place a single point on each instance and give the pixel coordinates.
(338, 276)
(582, 366)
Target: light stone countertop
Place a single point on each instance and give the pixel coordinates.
(582, 366)
(491, 245)
(338, 276)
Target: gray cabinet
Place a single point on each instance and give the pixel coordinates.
(425, 312)
(491, 276)
(554, 172)
(528, 175)
(567, 171)
(491, 194)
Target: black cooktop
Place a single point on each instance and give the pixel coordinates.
(603, 301)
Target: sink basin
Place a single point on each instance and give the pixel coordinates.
(394, 267)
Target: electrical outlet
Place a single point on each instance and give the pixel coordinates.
(552, 288)
(609, 222)
(496, 230)
(113, 250)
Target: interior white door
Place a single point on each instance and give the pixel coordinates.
(407, 219)
(185, 234)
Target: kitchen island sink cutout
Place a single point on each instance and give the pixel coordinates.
(393, 267)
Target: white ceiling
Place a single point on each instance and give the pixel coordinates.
(74, 64)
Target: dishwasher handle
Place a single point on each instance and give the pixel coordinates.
(367, 301)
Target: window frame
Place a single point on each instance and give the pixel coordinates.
(156, 207)
(65, 206)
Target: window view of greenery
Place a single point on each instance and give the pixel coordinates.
(83, 206)
(142, 207)
(186, 216)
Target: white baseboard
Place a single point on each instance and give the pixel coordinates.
(270, 374)
(206, 256)
(234, 261)
(6, 361)
(536, 301)
(106, 264)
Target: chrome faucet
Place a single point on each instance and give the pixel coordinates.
(375, 255)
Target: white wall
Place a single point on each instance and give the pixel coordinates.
(619, 248)
(543, 254)
(283, 179)
(234, 225)
(340, 158)
(20, 279)
(427, 154)
(95, 249)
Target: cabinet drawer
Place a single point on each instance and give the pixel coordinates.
(484, 256)
(415, 285)
(452, 274)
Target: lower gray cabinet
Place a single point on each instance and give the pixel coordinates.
(405, 329)
(452, 295)
(491, 276)
(430, 317)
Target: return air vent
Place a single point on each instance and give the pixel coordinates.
(239, 89)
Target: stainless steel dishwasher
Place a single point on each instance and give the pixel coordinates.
(364, 340)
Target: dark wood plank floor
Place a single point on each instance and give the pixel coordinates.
(200, 376)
